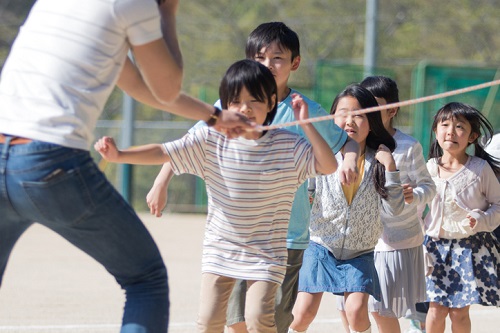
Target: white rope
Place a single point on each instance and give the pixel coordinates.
(384, 107)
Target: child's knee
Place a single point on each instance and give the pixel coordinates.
(309, 316)
(259, 322)
(304, 316)
(458, 316)
(438, 311)
(259, 318)
(357, 313)
(210, 320)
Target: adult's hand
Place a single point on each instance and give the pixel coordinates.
(233, 123)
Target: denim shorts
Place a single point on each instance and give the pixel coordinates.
(322, 272)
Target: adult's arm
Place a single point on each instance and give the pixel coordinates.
(132, 82)
(160, 61)
(156, 78)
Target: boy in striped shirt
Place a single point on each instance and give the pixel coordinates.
(251, 183)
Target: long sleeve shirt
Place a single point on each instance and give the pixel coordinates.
(475, 189)
(404, 231)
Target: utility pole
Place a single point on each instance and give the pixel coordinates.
(127, 140)
(370, 59)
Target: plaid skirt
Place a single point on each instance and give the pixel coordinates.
(466, 271)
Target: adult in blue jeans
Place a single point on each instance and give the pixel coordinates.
(64, 64)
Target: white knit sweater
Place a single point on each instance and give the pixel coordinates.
(346, 230)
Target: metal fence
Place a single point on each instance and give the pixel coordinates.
(186, 193)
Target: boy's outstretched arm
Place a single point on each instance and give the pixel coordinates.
(147, 154)
(348, 171)
(324, 157)
(158, 194)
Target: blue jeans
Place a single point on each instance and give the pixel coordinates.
(63, 189)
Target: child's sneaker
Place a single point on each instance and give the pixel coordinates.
(415, 327)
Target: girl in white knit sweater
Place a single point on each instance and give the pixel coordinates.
(345, 220)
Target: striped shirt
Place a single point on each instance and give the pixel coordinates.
(298, 227)
(251, 185)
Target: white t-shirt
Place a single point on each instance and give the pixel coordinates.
(65, 63)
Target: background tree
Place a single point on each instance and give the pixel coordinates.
(213, 35)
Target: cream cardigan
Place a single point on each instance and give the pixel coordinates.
(476, 190)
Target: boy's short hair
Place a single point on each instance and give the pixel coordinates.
(270, 32)
(256, 78)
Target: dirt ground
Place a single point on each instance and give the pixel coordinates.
(50, 286)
